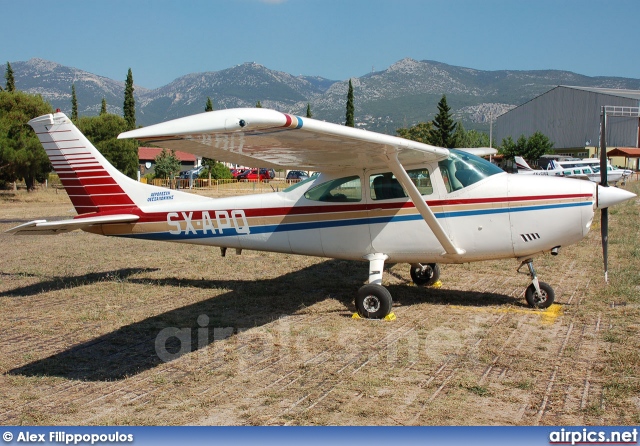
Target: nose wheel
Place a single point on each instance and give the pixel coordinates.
(373, 301)
(538, 294)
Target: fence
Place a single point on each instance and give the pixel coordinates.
(222, 186)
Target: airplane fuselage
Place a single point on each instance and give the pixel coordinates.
(497, 217)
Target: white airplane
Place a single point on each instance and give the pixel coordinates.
(586, 169)
(378, 199)
(581, 173)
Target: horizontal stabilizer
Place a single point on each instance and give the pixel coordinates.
(43, 227)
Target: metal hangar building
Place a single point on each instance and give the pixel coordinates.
(570, 118)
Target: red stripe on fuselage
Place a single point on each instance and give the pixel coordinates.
(329, 209)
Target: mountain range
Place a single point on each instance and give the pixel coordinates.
(405, 93)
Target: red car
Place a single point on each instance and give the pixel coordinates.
(252, 175)
(236, 172)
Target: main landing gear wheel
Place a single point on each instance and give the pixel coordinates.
(425, 274)
(373, 301)
(544, 299)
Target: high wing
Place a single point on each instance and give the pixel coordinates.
(480, 151)
(43, 227)
(268, 138)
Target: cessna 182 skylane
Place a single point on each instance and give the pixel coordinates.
(379, 198)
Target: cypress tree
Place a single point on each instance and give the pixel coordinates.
(309, 110)
(129, 108)
(103, 107)
(11, 83)
(442, 134)
(350, 108)
(209, 106)
(74, 103)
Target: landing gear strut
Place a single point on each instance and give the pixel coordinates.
(373, 300)
(538, 294)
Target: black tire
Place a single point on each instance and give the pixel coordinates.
(425, 276)
(373, 301)
(540, 301)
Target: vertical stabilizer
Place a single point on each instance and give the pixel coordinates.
(92, 183)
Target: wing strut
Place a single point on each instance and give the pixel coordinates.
(421, 205)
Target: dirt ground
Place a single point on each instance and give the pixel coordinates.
(109, 331)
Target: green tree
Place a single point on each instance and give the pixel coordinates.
(309, 115)
(21, 153)
(420, 132)
(209, 106)
(536, 146)
(258, 104)
(530, 148)
(167, 164)
(443, 126)
(74, 104)
(218, 171)
(471, 138)
(103, 131)
(508, 148)
(129, 108)
(349, 118)
(11, 83)
(103, 107)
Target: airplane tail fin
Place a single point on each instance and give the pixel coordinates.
(92, 183)
(521, 164)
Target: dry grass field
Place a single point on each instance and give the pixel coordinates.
(268, 339)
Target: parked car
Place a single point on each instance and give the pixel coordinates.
(252, 175)
(191, 174)
(236, 172)
(270, 172)
(296, 175)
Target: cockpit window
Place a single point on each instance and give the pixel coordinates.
(461, 169)
(348, 189)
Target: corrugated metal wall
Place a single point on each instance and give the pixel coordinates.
(569, 117)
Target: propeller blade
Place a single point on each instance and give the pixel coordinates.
(604, 212)
(604, 232)
(603, 149)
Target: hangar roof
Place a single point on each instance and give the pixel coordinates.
(631, 94)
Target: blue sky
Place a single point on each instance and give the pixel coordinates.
(161, 40)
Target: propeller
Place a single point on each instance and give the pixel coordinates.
(604, 212)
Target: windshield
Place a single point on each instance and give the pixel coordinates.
(461, 169)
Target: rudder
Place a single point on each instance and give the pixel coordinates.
(92, 183)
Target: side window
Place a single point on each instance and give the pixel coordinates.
(422, 180)
(447, 180)
(385, 186)
(346, 189)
